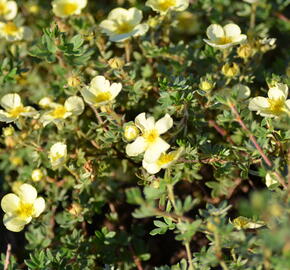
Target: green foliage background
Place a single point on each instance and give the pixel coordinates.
(127, 218)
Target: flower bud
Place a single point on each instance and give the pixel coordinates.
(206, 85)
(153, 22)
(131, 132)
(245, 51)
(8, 131)
(116, 63)
(16, 161)
(230, 70)
(57, 155)
(34, 9)
(37, 175)
(155, 184)
(75, 209)
(73, 81)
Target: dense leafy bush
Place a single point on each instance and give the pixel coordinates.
(145, 134)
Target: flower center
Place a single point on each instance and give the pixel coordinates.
(69, 8)
(165, 159)
(55, 157)
(166, 4)
(224, 40)
(59, 112)
(16, 111)
(276, 105)
(241, 222)
(25, 210)
(151, 136)
(3, 8)
(103, 96)
(10, 28)
(124, 27)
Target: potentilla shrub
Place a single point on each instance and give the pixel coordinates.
(145, 134)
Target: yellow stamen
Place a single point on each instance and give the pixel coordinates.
(15, 113)
(224, 40)
(277, 106)
(69, 8)
(165, 159)
(25, 210)
(56, 157)
(10, 28)
(59, 112)
(124, 28)
(166, 4)
(103, 96)
(151, 136)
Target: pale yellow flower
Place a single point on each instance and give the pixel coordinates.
(224, 37)
(8, 10)
(21, 207)
(149, 142)
(241, 91)
(163, 6)
(65, 8)
(45, 102)
(73, 106)
(12, 32)
(57, 155)
(14, 109)
(275, 105)
(122, 24)
(100, 91)
(164, 161)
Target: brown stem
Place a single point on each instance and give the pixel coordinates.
(220, 130)
(100, 120)
(8, 255)
(135, 258)
(127, 50)
(257, 146)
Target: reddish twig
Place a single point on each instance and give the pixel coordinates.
(281, 17)
(257, 146)
(8, 255)
(100, 120)
(220, 130)
(135, 258)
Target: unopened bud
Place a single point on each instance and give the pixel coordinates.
(73, 81)
(230, 70)
(37, 175)
(131, 132)
(245, 51)
(8, 131)
(116, 63)
(206, 85)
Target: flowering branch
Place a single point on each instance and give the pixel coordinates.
(254, 141)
